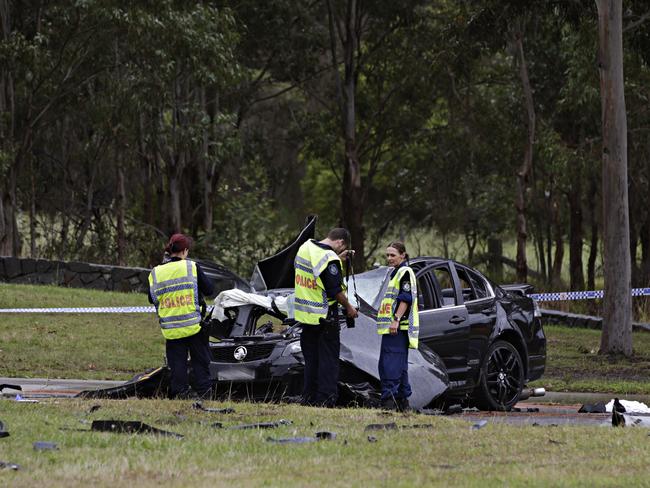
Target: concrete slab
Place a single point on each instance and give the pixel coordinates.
(50, 388)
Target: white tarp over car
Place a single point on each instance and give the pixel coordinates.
(237, 298)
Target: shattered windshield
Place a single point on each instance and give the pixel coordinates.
(369, 286)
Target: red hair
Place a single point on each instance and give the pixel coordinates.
(178, 243)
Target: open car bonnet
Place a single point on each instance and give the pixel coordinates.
(277, 271)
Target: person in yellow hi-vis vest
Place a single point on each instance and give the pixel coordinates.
(319, 291)
(398, 324)
(176, 288)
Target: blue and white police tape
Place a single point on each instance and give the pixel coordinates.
(581, 295)
(540, 297)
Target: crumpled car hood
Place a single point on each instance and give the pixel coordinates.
(360, 347)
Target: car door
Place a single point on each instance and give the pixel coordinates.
(444, 324)
(479, 300)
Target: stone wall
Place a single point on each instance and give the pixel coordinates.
(73, 274)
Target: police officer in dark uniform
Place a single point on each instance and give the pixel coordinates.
(398, 324)
(177, 288)
(319, 291)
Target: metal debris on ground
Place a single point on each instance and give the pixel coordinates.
(479, 425)
(262, 425)
(319, 436)
(199, 406)
(388, 426)
(45, 446)
(453, 409)
(129, 427)
(3, 432)
(292, 440)
(6, 465)
(417, 426)
(430, 411)
(372, 438)
(19, 398)
(325, 436)
(598, 407)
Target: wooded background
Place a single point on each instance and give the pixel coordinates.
(474, 121)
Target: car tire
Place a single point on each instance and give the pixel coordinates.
(501, 378)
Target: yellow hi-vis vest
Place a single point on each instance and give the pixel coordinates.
(389, 305)
(311, 303)
(175, 293)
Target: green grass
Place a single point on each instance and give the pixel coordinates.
(448, 453)
(573, 363)
(88, 346)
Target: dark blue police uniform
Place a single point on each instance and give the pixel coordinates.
(393, 356)
(198, 347)
(321, 345)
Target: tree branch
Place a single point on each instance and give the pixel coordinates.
(637, 22)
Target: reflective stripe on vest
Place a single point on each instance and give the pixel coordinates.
(311, 302)
(389, 305)
(175, 293)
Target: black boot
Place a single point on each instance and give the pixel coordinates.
(403, 405)
(389, 404)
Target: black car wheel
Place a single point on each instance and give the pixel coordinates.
(502, 377)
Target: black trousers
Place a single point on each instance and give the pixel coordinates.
(177, 349)
(320, 345)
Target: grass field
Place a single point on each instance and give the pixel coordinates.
(573, 363)
(87, 346)
(446, 452)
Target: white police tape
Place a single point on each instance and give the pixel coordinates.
(581, 295)
(150, 309)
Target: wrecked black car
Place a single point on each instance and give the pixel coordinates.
(480, 344)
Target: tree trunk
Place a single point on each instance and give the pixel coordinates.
(470, 240)
(121, 214)
(7, 113)
(207, 163)
(556, 272)
(645, 251)
(352, 198)
(540, 252)
(32, 209)
(495, 265)
(175, 200)
(549, 238)
(617, 325)
(146, 174)
(524, 171)
(593, 245)
(577, 279)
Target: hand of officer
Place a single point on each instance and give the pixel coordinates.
(351, 312)
(394, 325)
(344, 255)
